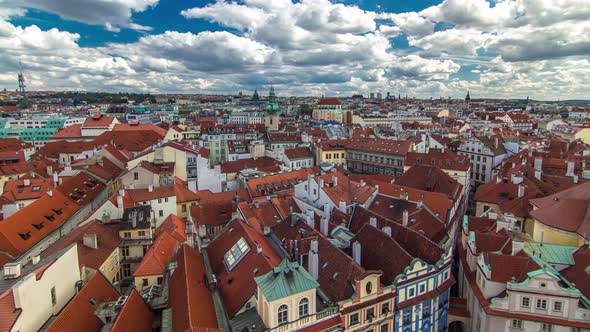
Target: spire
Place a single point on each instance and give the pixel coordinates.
(271, 95)
(467, 98)
(255, 95)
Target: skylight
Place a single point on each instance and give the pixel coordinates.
(236, 253)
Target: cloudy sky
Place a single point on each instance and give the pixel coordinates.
(426, 48)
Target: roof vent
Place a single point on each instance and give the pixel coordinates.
(12, 270)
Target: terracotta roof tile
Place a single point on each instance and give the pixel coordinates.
(134, 316)
(78, 314)
(81, 189)
(8, 311)
(156, 259)
(17, 191)
(429, 178)
(436, 157)
(189, 298)
(377, 145)
(98, 120)
(298, 153)
(174, 226)
(264, 164)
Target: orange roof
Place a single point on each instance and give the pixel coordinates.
(134, 316)
(264, 164)
(107, 237)
(73, 131)
(285, 181)
(385, 146)
(8, 312)
(156, 259)
(140, 126)
(174, 226)
(189, 298)
(78, 314)
(98, 120)
(14, 144)
(81, 189)
(142, 195)
(31, 224)
(345, 190)
(17, 191)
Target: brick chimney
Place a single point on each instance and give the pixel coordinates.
(356, 252)
(405, 216)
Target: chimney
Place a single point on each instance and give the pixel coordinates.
(404, 195)
(575, 178)
(49, 170)
(539, 164)
(538, 175)
(314, 260)
(327, 211)
(26, 182)
(55, 180)
(258, 248)
(120, 207)
(324, 226)
(49, 193)
(496, 142)
(342, 206)
(309, 221)
(256, 205)
(134, 221)
(373, 221)
(192, 186)
(521, 190)
(12, 270)
(310, 213)
(405, 218)
(356, 252)
(387, 230)
(517, 246)
(309, 177)
(335, 180)
(90, 240)
(498, 179)
(151, 188)
(36, 259)
(570, 168)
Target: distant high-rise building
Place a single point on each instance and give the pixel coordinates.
(388, 95)
(372, 95)
(379, 96)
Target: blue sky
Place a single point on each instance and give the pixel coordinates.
(508, 48)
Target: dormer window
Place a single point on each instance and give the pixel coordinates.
(236, 253)
(25, 236)
(50, 218)
(38, 226)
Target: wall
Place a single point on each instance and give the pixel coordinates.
(35, 295)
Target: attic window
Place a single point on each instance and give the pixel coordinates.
(325, 265)
(57, 211)
(36, 188)
(92, 301)
(335, 276)
(38, 226)
(236, 253)
(50, 218)
(25, 236)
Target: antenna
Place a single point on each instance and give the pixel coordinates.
(21, 83)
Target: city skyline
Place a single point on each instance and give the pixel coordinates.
(499, 49)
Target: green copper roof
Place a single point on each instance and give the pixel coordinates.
(551, 253)
(286, 279)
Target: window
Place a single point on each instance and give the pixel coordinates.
(144, 282)
(145, 247)
(407, 318)
(160, 279)
(283, 314)
(422, 288)
(183, 207)
(126, 270)
(159, 200)
(370, 314)
(384, 328)
(526, 302)
(411, 292)
(36, 188)
(135, 176)
(166, 199)
(53, 296)
(303, 307)
(541, 304)
(426, 310)
(127, 235)
(141, 233)
(354, 319)
(385, 308)
(161, 213)
(235, 253)
(546, 327)
(125, 251)
(517, 324)
(557, 305)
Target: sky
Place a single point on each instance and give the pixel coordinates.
(426, 48)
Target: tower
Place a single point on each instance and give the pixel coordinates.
(21, 81)
(467, 98)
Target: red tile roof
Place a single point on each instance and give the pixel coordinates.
(284, 137)
(140, 127)
(429, 178)
(30, 225)
(237, 286)
(134, 316)
(436, 157)
(174, 226)
(298, 153)
(14, 144)
(73, 131)
(78, 314)
(383, 146)
(107, 239)
(209, 212)
(17, 191)
(285, 181)
(505, 267)
(143, 195)
(329, 101)
(189, 297)
(345, 190)
(156, 259)
(8, 311)
(53, 149)
(81, 189)
(577, 273)
(98, 120)
(568, 210)
(134, 141)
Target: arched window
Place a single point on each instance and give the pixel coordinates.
(283, 314)
(303, 307)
